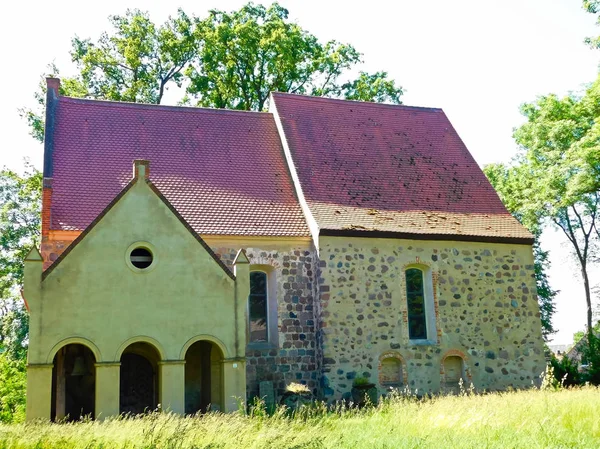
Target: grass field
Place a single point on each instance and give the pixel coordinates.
(526, 419)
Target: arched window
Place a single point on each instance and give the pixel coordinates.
(257, 307)
(390, 372)
(454, 371)
(417, 313)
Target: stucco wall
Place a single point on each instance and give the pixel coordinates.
(485, 311)
(291, 356)
(94, 294)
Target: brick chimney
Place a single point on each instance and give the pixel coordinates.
(52, 92)
(54, 85)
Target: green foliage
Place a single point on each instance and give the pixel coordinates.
(566, 418)
(565, 372)
(20, 201)
(376, 87)
(248, 53)
(226, 60)
(509, 186)
(577, 336)
(591, 358)
(592, 6)
(138, 59)
(556, 177)
(12, 389)
(360, 381)
(71, 87)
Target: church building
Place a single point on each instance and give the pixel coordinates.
(193, 258)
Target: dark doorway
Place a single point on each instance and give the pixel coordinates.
(139, 379)
(73, 383)
(203, 377)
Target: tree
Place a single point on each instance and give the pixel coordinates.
(13, 381)
(507, 185)
(246, 54)
(134, 63)
(577, 336)
(592, 6)
(227, 60)
(138, 60)
(20, 201)
(555, 178)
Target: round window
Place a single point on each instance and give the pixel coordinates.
(141, 258)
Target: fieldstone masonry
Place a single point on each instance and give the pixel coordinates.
(485, 305)
(354, 321)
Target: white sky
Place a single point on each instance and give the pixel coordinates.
(478, 60)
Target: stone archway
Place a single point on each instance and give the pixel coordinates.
(73, 383)
(203, 377)
(139, 379)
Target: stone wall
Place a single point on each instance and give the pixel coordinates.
(292, 357)
(52, 249)
(484, 311)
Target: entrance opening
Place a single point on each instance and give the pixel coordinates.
(139, 379)
(203, 377)
(73, 383)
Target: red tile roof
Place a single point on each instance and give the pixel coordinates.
(224, 171)
(373, 167)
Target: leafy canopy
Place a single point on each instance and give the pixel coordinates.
(508, 185)
(555, 179)
(20, 201)
(226, 60)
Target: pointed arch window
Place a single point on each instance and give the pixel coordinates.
(258, 307)
(415, 295)
(420, 305)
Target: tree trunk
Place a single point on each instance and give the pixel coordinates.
(588, 301)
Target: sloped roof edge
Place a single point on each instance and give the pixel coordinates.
(116, 199)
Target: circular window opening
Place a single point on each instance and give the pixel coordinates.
(141, 258)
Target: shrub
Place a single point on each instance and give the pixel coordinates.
(360, 381)
(565, 371)
(13, 379)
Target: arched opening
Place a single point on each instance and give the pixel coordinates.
(139, 379)
(73, 383)
(391, 374)
(203, 377)
(454, 372)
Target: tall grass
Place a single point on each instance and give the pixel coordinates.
(525, 419)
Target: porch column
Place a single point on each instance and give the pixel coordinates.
(234, 383)
(39, 391)
(172, 385)
(108, 377)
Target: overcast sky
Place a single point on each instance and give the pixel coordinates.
(478, 60)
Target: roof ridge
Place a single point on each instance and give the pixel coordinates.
(361, 102)
(131, 104)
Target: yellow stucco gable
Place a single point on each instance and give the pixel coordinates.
(97, 297)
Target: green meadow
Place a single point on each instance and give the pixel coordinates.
(567, 418)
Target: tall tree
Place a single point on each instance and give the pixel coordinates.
(135, 62)
(246, 54)
(555, 179)
(507, 184)
(227, 60)
(20, 200)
